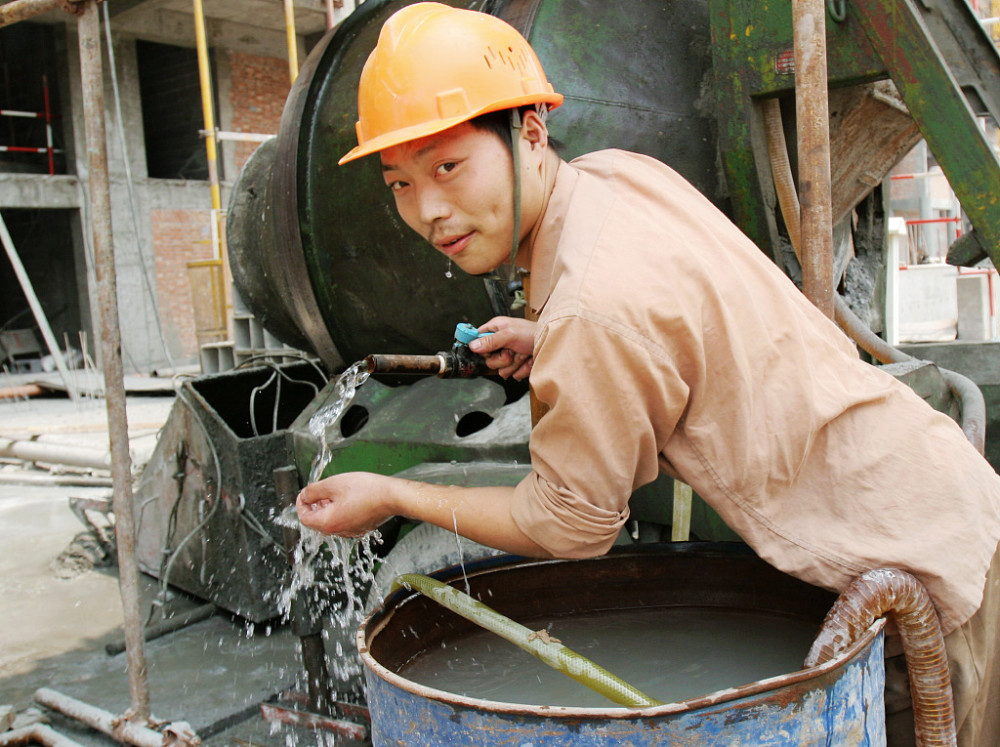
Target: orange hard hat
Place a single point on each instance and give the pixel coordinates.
(434, 67)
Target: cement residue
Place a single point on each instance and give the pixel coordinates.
(83, 554)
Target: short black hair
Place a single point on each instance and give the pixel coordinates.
(498, 122)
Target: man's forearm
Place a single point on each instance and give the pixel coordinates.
(479, 514)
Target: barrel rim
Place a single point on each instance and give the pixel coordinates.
(381, 616)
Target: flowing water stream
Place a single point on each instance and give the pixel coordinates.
(334, 584)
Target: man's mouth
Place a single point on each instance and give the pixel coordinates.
(452, 245)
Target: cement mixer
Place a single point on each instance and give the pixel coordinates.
(321, 259)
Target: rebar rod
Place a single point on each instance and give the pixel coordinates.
(100, 720)
(111, 353)
(35, 734)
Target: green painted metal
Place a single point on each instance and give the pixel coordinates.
(906, 42)
(753, 59)
(937, 54)
(391, 429)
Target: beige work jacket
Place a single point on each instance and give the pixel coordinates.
(668, 340)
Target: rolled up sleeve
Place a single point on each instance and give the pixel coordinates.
(612, 404)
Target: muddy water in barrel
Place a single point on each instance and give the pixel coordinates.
(671, 654)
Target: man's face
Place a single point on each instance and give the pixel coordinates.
(456, 190)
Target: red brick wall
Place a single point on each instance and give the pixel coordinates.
(179, 236)
(258, 91)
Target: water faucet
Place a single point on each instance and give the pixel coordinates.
(459, 362)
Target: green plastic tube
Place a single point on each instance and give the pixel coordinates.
(553, 653)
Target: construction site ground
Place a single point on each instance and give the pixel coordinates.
(61, 605)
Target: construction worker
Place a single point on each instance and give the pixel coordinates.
(658, 337)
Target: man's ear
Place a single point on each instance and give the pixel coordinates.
(534, 131)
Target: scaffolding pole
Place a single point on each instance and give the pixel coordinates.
(293, 43)
(91, 68)
(211, 151)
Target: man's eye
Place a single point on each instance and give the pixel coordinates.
(444, 168)
(396, 186)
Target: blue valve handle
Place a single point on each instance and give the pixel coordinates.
(466, 333)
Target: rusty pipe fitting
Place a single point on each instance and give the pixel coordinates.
(892, 591)
(459, 362)
(407, 364)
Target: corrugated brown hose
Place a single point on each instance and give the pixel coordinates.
(891, 591)
(968, 395)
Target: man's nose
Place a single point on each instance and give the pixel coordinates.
(432, 205)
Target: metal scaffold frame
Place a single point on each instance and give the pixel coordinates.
(46, 114)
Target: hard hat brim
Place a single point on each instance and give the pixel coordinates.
(425, 129)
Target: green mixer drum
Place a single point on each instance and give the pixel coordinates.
(318, 251)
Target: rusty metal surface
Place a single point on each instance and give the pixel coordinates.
(21, 10)
(340, 727)
(209, 489)
(813, 127)
(839, 702)
(912, 40)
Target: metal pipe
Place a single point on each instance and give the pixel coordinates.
(168, 625)
(36, 734)
(330, 22)
(407, 364)
(121, 729)
(457, 363)
(75, 481)
(208, 113)
(813, 129)
(21, 10)
(293, 42)
(347, 729)
(211, 152)
(91, 68)
(36, 451)
(22, 391)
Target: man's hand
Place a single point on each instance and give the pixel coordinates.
(354, 503)
(508, 351)
(348, 505)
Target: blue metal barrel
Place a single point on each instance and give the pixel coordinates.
(839, 703)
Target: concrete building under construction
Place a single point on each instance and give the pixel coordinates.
(166, 233)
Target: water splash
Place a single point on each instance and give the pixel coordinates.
(331, 576)
(344, 388)
(461, 555)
